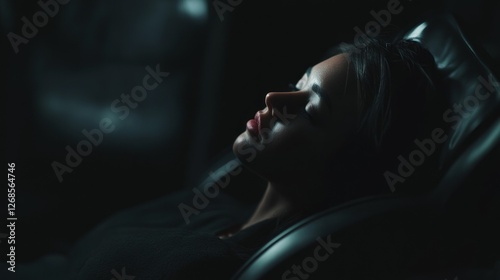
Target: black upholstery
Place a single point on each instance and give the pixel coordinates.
(463, 70)
(451, 232)
(66, 80)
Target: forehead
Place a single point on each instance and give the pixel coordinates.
(331, 73)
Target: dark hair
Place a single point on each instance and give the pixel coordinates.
(397, 103)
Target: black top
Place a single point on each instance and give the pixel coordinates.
(153, 241)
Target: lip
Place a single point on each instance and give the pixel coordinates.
(253, 125)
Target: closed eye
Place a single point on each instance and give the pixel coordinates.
(310, 114)
(304, 112)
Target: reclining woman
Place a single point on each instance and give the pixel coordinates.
(328, 140)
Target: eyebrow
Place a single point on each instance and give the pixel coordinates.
(319, 91)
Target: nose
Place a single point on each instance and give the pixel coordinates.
(292, 101)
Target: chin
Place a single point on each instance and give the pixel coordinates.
(249, 150)
(245, 148)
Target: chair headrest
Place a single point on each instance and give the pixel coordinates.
(471, 91)
(472, 94)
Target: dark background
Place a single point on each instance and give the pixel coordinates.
(66, 77)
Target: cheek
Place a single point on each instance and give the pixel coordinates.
(292, 143)
(292, 136)
(293, 147)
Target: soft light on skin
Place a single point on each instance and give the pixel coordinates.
(292, 153)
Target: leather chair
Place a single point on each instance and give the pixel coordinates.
(65, 80)
(451, 232)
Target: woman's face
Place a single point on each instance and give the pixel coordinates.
(298, 131)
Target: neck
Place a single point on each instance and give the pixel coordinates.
(272, 205)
